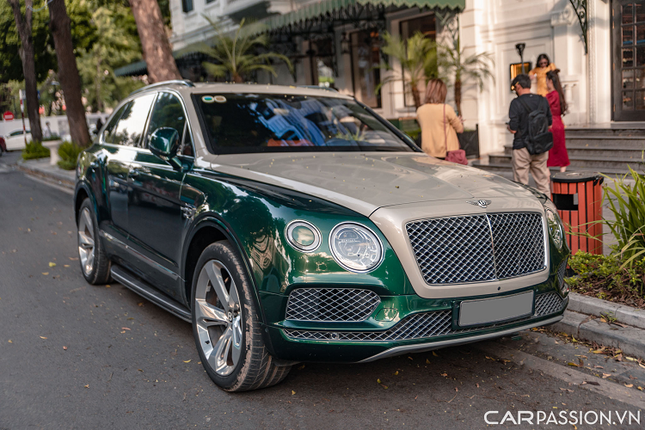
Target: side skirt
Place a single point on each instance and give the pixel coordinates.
(149, 292)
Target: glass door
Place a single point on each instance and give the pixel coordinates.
(629, 60)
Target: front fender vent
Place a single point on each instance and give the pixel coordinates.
(331, 304)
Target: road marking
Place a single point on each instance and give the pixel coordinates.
(58, 187)
(582, 380)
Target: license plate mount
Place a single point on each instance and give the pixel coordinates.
(495, 310)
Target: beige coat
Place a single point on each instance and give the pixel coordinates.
(437, 136)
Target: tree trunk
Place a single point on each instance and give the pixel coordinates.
(416, 96)
(28, 65)
(458, 95)
(154, 43)
(68, 76)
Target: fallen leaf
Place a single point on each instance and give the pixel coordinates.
(125, 328)
(456, 389)
(187, 361)
(629, 385)
(87, 386)
(299, 368)
(65, 265)
(631, 358)
(606, 375)
(107, 286)
(444, 374)
(140, 303)
(10, 341)
(427, 361)
(43, 337)
(572, 364)
(378, 381)
(477, 385)
(293, 392)
(65, 348)
(640, 388)
(73, 258)
(52, 264)
(396, 373)
(435, 354)
(45, 273)
(599, 351)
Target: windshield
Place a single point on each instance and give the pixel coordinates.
(242, 123)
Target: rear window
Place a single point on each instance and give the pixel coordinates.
(242, 123)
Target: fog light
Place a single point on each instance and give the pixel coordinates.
(303, 236)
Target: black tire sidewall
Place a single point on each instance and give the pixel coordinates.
(225, 253)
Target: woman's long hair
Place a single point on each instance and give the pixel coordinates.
(553, 77)
(436, 91)
(543, 57)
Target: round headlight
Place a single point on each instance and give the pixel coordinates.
(555, 227)
(303, 236)
(355, 247)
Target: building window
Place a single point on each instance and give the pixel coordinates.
(427, 25)
(365, 60)
(187, 5)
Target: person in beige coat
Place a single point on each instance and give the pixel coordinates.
(439, 122)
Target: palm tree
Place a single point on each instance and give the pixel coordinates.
(453, 62)
(237, 56)
(418, 58)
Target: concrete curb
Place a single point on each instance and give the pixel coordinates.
(630, 340)
(592, 306)
(49, 173)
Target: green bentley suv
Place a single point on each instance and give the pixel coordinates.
(294, 224)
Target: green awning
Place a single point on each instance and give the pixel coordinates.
(140, 67)
(328, 6)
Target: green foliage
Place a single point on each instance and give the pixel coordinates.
(240, 56)
(68, 152)
(119, 45)
(627, 203)
(35, 149)
(418, 58)
(84, 34)
(606, 275)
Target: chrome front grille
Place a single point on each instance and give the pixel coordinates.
(422, 325)
(478, 248)
(331, 304)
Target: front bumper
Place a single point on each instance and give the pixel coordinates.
(417, 331)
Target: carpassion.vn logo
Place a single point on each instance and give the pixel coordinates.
(563, 418)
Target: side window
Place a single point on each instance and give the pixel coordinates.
(108, 134)
(130, 128)
(168, 112)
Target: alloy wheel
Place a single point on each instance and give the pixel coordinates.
(86, 248)
(218, 317)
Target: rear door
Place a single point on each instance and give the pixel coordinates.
(155, 216)
(120, 140)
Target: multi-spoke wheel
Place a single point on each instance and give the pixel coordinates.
(226, 325)
(94, 263)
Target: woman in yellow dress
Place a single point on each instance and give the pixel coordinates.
(543, 67)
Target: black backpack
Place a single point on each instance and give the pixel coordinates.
(539, 139)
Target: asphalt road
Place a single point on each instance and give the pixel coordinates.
(76, 356)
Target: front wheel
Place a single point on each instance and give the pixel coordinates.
(226, 325)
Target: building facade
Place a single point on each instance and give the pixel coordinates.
(599, 46)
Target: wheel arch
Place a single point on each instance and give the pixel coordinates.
(206, 230)
(81, 193)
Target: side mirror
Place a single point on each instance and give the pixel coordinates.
(164, 143)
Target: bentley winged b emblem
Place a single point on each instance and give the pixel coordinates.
(480, 203)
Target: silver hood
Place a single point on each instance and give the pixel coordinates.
(367, 181)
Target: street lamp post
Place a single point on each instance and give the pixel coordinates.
(520, 50)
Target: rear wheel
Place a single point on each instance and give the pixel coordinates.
(226, 325)
(94, 262)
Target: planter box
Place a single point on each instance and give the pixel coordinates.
(53, 150)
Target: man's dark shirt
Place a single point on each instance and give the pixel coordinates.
(519, 116)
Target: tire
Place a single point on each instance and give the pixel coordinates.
(226, 326)
(91, 255)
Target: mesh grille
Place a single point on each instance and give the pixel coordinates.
(546, 304)
(561, 272)
(331, 304)
(460, 249)
(421, 326)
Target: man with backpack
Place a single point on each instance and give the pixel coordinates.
(530, 119)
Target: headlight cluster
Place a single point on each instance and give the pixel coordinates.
(556, 229)
(353, 246)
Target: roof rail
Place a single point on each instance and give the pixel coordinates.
(317, 87)
(185, 82)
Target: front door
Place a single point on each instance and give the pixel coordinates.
(628, 41)
(156, 214)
